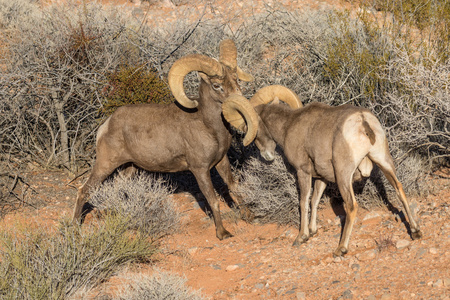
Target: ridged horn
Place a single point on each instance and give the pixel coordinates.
(268, 94)
(243, 75)
(228, 53)
(228, 57)
(238, 111)
(185, 65)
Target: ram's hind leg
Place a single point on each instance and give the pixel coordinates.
(107, 161)
(99, 173)
(386, 164)
(319, 187)
(344, 180)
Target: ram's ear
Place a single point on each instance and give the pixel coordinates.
(204, 77)
(276, 100)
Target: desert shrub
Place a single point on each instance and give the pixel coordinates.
(430, 18)
(145, 200)
(160, 285)
(53, 71)
(39, 265)
(270, 191)
(134, 84)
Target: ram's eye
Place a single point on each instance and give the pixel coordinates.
(216, 86)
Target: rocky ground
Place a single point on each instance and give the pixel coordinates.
(259, 262)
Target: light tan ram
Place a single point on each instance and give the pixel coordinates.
(331, 144)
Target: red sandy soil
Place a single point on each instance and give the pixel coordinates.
(259, 262)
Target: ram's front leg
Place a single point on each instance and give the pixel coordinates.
(224, 170)
(204, 182)
(304, 182)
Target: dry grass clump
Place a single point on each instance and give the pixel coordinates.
(39, 265)
(270, 191)
(143, 199)
(158, 286)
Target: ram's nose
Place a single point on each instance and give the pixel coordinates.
(268, 155)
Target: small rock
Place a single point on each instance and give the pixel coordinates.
(216, 267)
(347, 294)
(328, 260)
(367, 255)
(259, 285)
(192, 250)
(421, 252)
(438, 283)
(371, 297)
(231, 268)
(401, 244)
(433, 250)
(404, 295)
(337, 259)
(338, 220)
(447, 282)
(386, 296)
(355, 267)
(371, 215)
(301, 296)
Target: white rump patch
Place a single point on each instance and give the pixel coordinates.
(102, 130)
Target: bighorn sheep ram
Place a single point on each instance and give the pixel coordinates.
(170, 138)
(331, 144)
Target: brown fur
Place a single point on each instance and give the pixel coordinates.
(332, 144)
(168, 138)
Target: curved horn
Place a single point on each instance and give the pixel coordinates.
(228, 57)
(243, 75)
(238, 111)
(185, 65)
(228, 53)
(268, 94)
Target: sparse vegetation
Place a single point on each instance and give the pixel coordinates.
(41, 265)
(143, 199)
(161, 285)
(384, 242)
(134, 84)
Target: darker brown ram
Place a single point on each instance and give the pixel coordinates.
(170, 138)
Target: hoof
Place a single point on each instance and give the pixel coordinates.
(300, 240)
(340, 251)
(224, 235)
(416, 235)
(312, 233)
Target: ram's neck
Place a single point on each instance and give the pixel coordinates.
(275, 117)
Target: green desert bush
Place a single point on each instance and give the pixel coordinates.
(158, 286)
(132, 85)
(145, 201)
(41, 265)
(430, 18)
